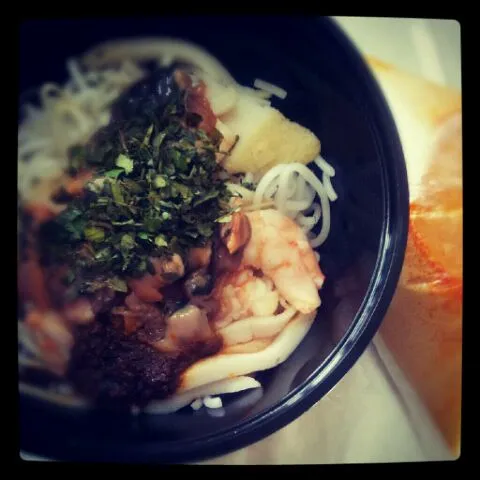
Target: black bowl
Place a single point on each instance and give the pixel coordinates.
(330, 91)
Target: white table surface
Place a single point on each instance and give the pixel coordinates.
(364, 419)
(423, 47)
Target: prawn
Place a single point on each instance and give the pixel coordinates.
(279, 248)
(242, 294)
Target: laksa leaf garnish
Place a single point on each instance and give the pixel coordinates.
(157, 190)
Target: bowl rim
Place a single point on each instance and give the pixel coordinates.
(364, 326)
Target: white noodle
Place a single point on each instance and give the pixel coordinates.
(293, 187)
(34, 145)
(76, 75)
(197, 404)
(332, 195)
(270, 88)
(325, 204)
(308, 222)
(283, 190)
(301, 186)
(266, 181)
(160, 49)
(213, 402)
(261, 95)
(316, 211)
(49, 93)
(165, 51)
(272, 190)
(68, 115)
(325, 166)
(298, 205)
(245, 193)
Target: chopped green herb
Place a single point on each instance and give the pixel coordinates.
(158, 140)
(124, 162)
(205, 229)
(114, 173)
(130, 221)
(146, 140)
(153, 224)
(209, 196)
(103, 254)
(160, 181)
(159, 190)
(94, 234)
(160, 241)
(117, 193)
(183, 190)
(224, 219)
(127, 242)
(118, 284)
(179, 160)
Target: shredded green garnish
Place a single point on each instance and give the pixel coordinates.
(94, 234)
(124, 162)
(160, 241)
(114, 173)
(161, 194)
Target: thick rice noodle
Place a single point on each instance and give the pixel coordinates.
(254, 328)
(165, 51)
(227, 385)
(224, 366)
